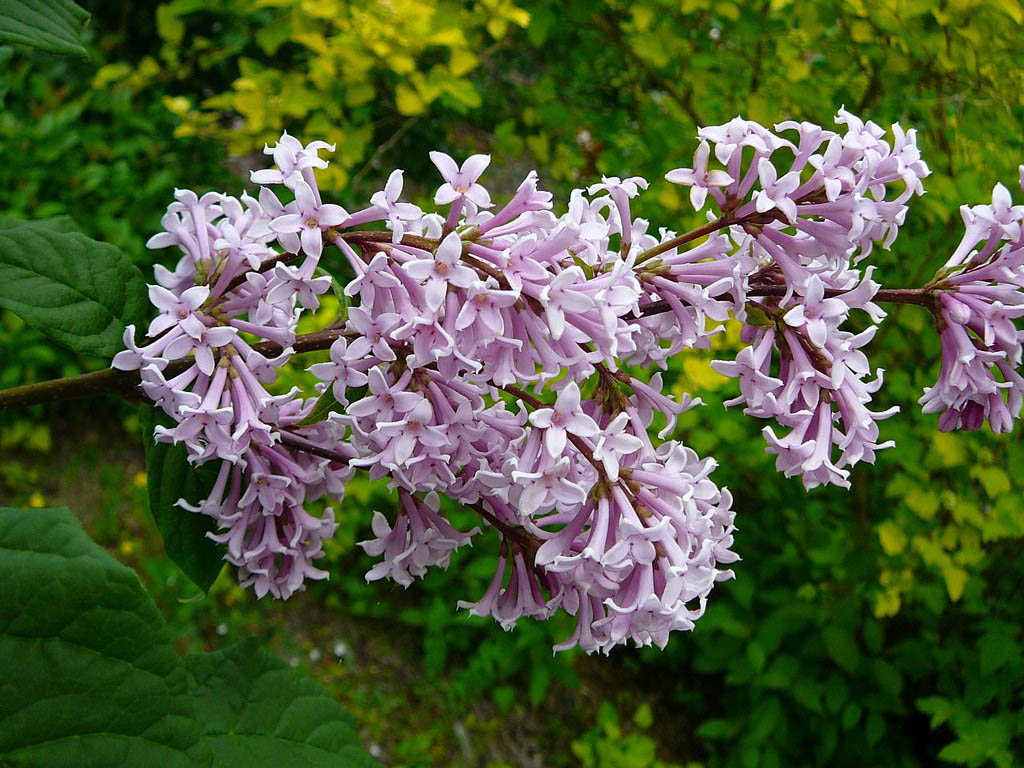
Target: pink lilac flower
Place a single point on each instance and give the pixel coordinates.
(565, 418)
(699, 178)
(979, 296)
(458, 314)
(444, 269)
(397, 214)
(461, 183)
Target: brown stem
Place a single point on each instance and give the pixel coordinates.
(306, 447)
(123, 383)
(683, 239)
(727, 220)
(519, 535)
(110, 381)
(377, 236)
(924, 297)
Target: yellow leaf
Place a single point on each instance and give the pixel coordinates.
(924, 503)
(643, 16)
(110, 73)
(497, 27)
(312, 40)
(451, 37)
(538, 145)
(462, 61)
(1012, 8)
(955, 578)
(950, 448)
(892, 537)
(408, 101)
(699, 371)
(887, 603)
(994, 480)
(861, 31)
(168, 25)
(797, 70)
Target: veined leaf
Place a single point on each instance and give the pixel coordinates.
(88, 671)
(171, 477)
(78, 291)
(90, 676)
(256, 711)
(324, 406)
(50, 25)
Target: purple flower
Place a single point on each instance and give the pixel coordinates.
(454, 309)
(343, 371)
(699, 178)
(290, 156)
(614, 443)
(397, 214)
(309, 218)
(775, 192)
(444, 268)
(461, 183)
(563, 419)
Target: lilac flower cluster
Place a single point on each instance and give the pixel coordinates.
(797, 236)
(979, 296)
(481, 361)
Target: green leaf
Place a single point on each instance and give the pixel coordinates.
(841, 646)
(257, 712)
(339, 294)
(50, 25)
(325, 405)
(89, 675)
(718, 728)
(171, 477)
(88, 671)
(78, 291)
(940, 709)
(997, 649)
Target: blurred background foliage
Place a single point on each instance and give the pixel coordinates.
(881, 625)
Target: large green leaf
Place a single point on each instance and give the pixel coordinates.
(50, 25)
(89, 676)
(255, 711)
(88, 673)
(78, 291)
(170, 478)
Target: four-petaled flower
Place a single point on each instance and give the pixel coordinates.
(565, 418)
(398, 214)
(309, 218)
(775, 192)
(444, 268)
(615, 442)
(461, 182)
(699, 178)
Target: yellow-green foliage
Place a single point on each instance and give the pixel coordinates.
(396, 55)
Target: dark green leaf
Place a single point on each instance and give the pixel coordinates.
(258, 713)
(339, 294)
(170, 478)
(326, 404)
(842, 647)
(78, 291)
(50, 25)
(718, 728)
(88, 674)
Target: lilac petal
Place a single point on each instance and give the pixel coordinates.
(445, 164)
